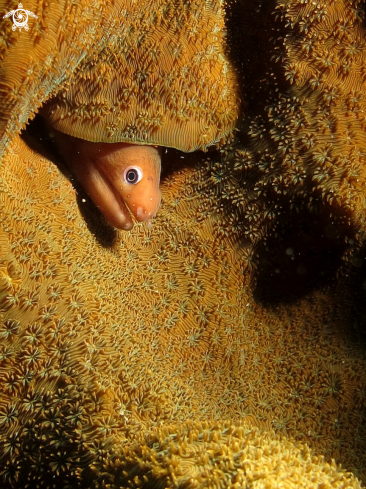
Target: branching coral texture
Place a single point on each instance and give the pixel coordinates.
(147, 361)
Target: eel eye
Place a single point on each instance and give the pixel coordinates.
(133, 175)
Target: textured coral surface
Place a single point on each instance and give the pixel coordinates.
(104, 347)
(166, 80)
(147, 72)
(35, 63)
(303, 86)
(215, 347)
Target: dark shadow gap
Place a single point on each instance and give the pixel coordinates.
(304, 252)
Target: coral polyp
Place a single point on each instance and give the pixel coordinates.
(223, 345)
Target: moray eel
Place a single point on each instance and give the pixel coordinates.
(121, 178)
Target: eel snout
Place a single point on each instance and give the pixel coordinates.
(120, 178)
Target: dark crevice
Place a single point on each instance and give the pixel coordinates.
(303, 253)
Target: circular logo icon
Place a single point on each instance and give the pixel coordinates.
(20, 18)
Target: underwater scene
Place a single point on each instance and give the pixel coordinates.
(182, 244)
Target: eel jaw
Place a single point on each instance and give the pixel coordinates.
(100, 169)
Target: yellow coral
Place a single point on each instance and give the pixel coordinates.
(165, 80)
(142, 358)
(101, 346)
(303, 133)
(129, 61)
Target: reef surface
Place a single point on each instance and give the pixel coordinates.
(221, 347)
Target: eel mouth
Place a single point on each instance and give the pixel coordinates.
(122, 179)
